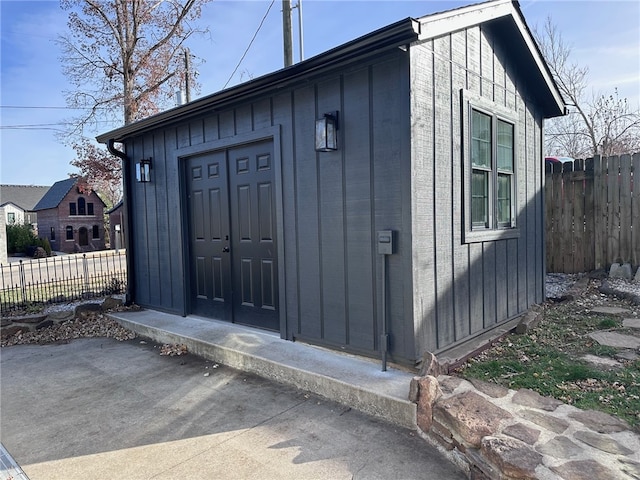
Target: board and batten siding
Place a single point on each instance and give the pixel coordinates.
(332, 204)
(461, 289)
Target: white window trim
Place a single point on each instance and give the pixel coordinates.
(470, 101)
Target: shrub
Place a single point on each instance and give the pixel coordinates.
(44, 243)
(20, 237)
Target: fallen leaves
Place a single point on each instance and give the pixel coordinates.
(174, 349)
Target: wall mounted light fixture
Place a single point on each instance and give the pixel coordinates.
(327, 132)
(143, 170)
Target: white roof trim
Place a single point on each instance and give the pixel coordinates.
(438, 24)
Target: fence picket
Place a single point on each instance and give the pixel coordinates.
(635, 209)
(624, 185)
(589, 216)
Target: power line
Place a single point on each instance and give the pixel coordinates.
(250, 43)
(43, 107)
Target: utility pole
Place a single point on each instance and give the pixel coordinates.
(300, 32)
(187, 69)
(287, 33)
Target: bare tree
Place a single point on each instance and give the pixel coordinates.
(125, 58)
(599, 125)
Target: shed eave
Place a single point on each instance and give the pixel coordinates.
(403, 32)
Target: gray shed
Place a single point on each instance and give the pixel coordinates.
(242, 217)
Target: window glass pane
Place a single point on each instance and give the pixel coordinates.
(96, 232)
(504, 199)
(72, 209)
(480, 199)
(69, 230)
(81, 206)
(505, 146)
(89, 208)
(480, 139)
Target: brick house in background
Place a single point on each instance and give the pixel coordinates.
(71, 217)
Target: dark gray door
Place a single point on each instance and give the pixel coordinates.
(210, 266)
(233, 243)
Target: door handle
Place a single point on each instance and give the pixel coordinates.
(225, 249)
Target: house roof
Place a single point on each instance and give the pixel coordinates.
(56, 194)
(115, 207)
(24, 197)
(401, 33)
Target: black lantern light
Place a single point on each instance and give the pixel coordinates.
(327, 132)
(143, 170)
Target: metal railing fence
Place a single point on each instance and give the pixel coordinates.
(29, 283)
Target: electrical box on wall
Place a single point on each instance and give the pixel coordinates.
(385, 242)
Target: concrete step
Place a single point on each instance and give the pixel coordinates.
(352, 381)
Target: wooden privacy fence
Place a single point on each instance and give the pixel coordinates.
(592, 213)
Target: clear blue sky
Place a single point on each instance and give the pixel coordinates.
(604, 35)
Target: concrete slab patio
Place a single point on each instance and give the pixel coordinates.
(353, 381)
(98, 408)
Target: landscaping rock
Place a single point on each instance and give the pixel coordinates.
(621, 271)
(414, 389)
(631, 323)
(110, 303)
(29, 319)
(86, 310)
(45, 324)
(602, 442)
(471, 416)
(492, 389)
(627, 356)
(428, 393)
(583, 470)
(60, 316)
(449, 384)
(599, 421)
(614, 339)
(610, 310)
(523, 433)
(560, 447)
(630, 467)
(605, 362)
(555, 424)
(529, 398)
(514, 458)
(528, 322)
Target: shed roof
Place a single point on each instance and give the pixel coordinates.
(24, 197)
(401, 33)
(56, 194)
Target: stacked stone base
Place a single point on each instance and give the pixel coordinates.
(500, 434)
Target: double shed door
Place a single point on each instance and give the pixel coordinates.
(233, 235)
